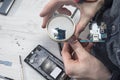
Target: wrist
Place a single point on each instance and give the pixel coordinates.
(102, 73)
(104, 76)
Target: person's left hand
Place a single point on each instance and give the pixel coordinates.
(83, 65)
(88, 10)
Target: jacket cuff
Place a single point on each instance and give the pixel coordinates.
(108, 3)
(115, 75)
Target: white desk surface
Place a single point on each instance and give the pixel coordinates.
(21, 32)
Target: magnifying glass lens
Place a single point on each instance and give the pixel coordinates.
(60, 28)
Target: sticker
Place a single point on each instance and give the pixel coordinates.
(55, 72)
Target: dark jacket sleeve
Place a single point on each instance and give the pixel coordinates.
(108, 3)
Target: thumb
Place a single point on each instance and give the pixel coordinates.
(78, 48)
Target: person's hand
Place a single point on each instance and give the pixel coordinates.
(87, 9)
(82, 64)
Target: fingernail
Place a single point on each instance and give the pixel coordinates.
(41, 15)
(43, 26)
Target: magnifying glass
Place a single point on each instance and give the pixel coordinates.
(61, 27)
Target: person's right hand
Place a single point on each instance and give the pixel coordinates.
(82, 64)
(87, 9)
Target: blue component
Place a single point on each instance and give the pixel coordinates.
(6, 63)
(61, 34)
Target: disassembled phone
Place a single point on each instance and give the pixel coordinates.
(5, 6)
(46, 64)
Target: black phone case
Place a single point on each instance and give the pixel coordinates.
(39, 67)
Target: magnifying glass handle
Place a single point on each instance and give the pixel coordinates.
(74, 13)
